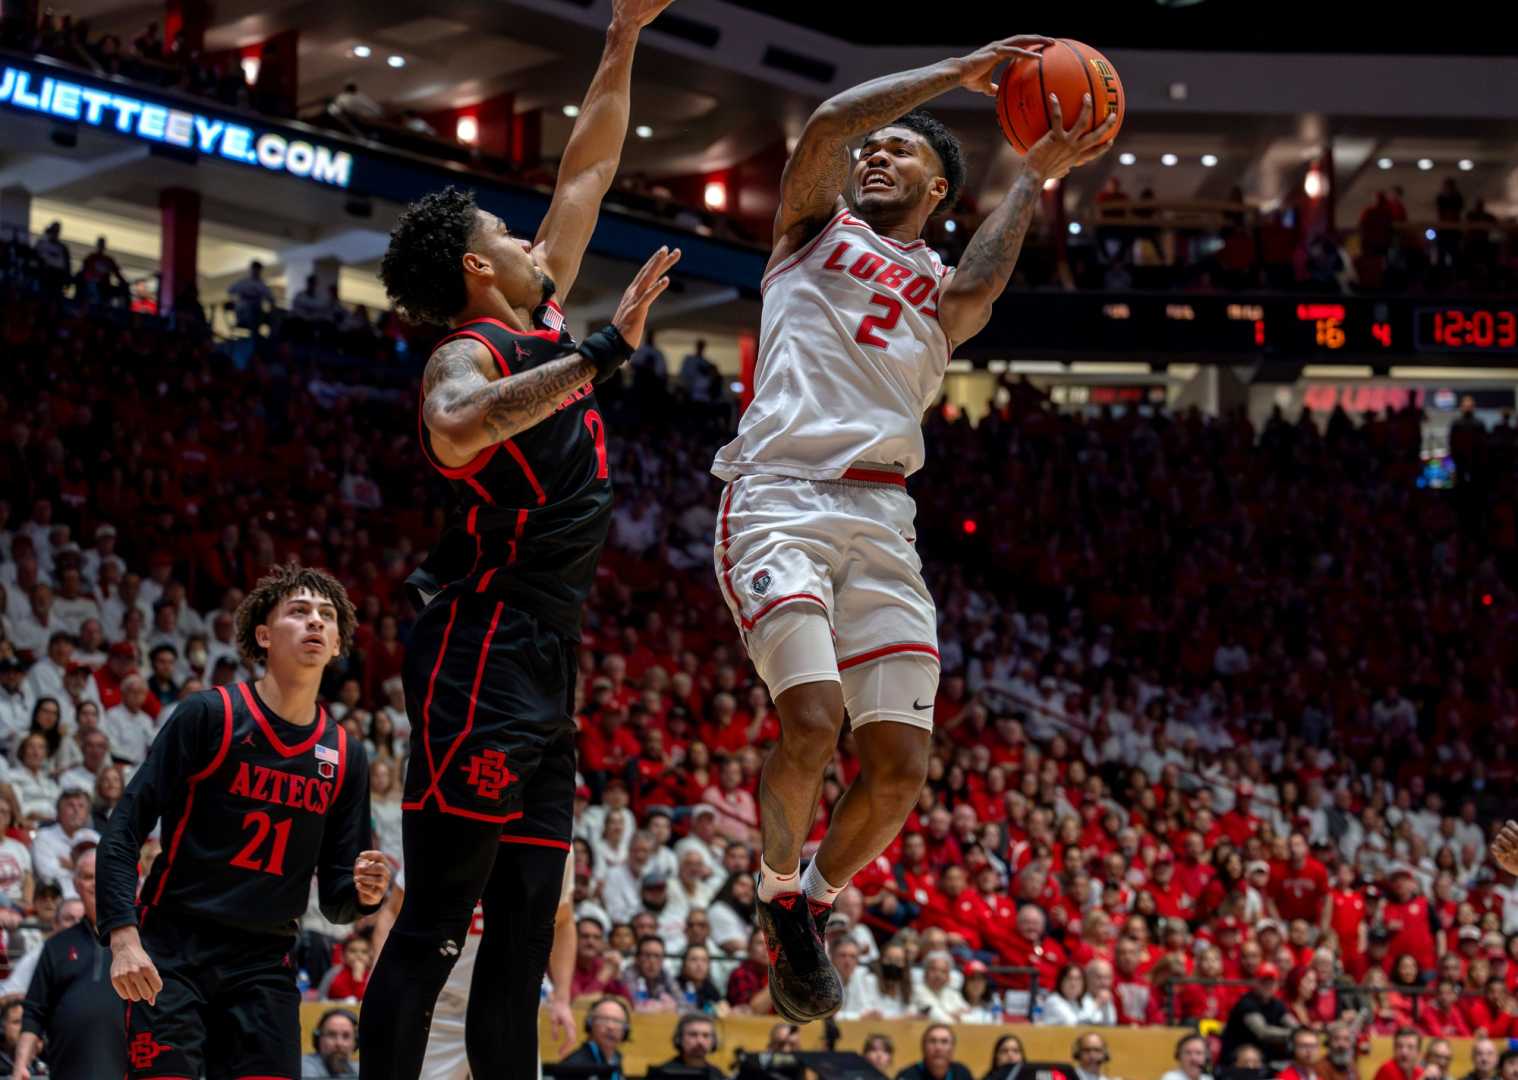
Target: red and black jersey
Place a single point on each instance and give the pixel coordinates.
(531, 512)
(251, 805)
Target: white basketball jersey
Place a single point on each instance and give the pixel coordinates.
(850, 357)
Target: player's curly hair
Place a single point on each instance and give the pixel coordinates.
(421, 268)
(274, 587)
(946, 145)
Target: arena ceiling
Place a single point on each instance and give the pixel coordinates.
(1284, 26)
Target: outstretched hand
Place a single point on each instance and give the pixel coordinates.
(1505, 847)
(1062, 149)
(650, 283)
(981, 64)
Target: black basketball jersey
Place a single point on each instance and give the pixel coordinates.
(532, 512)
(251, 806)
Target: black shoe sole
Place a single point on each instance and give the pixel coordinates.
(822, 989)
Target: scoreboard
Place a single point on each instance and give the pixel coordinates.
(1289, 327)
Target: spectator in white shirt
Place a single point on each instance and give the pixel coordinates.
(850, 905)
(103, 552)
(861, 993)
(621, 890)
(73, 604)
(1065, 1006)
(94, 750)
(695, 883)
(16, 878)
(45, 678)
(128, 597)
(89, 649)
(129, 728)
(32, 778)
(251, 298)
(1099, 1005)
(52, 845)
(31, 630)
(16, 703)
(703, 838)
(936, 997)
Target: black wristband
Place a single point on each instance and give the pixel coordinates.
(606, 349)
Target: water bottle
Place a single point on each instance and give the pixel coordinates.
(303, 982)
(996, 1009)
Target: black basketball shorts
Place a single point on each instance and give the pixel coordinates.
(490, 695)
(229, 1007)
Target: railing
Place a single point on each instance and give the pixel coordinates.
(1364, 992)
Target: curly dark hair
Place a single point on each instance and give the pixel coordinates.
(274, 587)
(421, 268)
(945, 144)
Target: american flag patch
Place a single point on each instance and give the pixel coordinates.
(552, 317)
(326, 753)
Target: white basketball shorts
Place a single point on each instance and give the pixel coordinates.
(790, 550)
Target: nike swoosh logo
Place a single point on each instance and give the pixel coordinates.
(915, 705)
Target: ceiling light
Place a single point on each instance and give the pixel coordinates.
(950, 226)
(396, 61)
(1126, 158)
(643, 131)
(1209, 160)
(1075, 228)
(1466, 164)
(467, 130)
(1425, 163)
(716, 195)
(1429, 234)
(362, 51)
(1314, 184)
(1168, 160)
(1050, 184)
(571, 111)
(1385, 163)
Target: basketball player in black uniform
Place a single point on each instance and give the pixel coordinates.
(509, 416)
(258, 789)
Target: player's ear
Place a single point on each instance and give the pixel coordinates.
(475, 263)
(940, 189)
(262, 635)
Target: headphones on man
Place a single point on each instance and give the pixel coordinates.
(694, 1018)
(1075, 1050)
(321, 1025)
(590, 1016)
(1206, 1049)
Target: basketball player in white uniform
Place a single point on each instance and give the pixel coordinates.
(814, 543)
(447, 1058)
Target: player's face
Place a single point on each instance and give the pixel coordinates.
(897, 170)
(515, 275)
(302, 627)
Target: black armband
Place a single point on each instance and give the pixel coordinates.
(606, 349)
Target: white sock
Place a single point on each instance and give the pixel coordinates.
(772, 882)
(816, 886)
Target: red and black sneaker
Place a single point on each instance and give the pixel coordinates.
(803, 984)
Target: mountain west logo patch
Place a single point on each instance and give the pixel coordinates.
(761, 583)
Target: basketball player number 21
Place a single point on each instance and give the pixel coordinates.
(866, 335)
(248, 859)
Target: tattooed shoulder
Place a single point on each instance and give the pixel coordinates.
(459, 359)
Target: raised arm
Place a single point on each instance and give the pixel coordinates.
(986, 267)
(467, 408)
(818, 169)
(594, 150)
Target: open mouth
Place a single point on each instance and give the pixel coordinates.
(875, 180)
(313, 639)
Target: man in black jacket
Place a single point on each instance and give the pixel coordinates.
(71, 1008)
(606, 1028)
(937, 1057)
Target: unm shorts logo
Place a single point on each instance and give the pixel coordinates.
(144, 1050)
(487, 773)
(761, 583)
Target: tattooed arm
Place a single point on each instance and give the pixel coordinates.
(983, 272)
(467, 408)
(818, 169)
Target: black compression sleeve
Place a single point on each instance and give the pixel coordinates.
(606, 349)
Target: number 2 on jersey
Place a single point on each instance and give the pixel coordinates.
(247, 858)
(866, 335)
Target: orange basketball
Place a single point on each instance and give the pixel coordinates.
(1068, 69)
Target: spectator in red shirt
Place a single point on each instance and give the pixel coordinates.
(1345, 916)
(1131, 987)
(1305, 1048)
(1442, 1017)
(1239, 824)
(942, 848)
(607, 747)
(1408, 917)
(1027, 945)
(597, 969)
(1492, 1014)
(352, 979)
(1300, 885)
(748, 986)
(737, 812)
(1405, 1063)
(1170, 900)
(956, 910)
